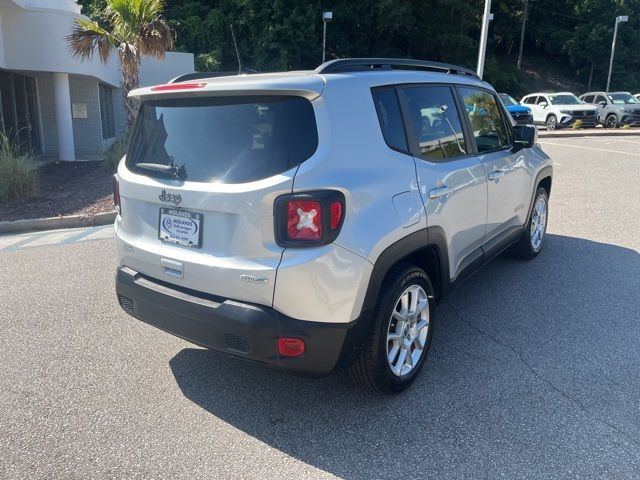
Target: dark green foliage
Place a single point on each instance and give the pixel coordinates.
(287, 34)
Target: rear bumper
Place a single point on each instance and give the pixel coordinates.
(238, 329)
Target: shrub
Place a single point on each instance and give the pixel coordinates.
(115, 152)
(577, 125)
(18, 176)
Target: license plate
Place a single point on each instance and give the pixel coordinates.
(180, 227)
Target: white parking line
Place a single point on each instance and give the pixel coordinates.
(590, 148)
(11, 243)
(623, 140)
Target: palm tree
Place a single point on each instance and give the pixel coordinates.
(135, 28)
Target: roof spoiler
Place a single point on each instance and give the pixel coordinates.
(202, 75)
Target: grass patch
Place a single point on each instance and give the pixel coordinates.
(115, 152)
(626, 126)
(18, 177)
(577, 125)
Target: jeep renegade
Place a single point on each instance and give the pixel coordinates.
(311, 220)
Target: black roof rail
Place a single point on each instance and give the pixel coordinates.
(343, 65)
(202, 75)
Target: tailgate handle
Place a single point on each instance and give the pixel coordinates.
(171, 268)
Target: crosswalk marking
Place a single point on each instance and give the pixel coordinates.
(11, 243)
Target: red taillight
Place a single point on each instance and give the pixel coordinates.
(116, 193)
(308, 219)
(178, 86)
(290, 347)
(304, 220)
(336, 215)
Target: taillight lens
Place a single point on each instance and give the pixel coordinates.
(308, 219)
(178, 86)
(304, 220)
(336, 215)
(116, 194)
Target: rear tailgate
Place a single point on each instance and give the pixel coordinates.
(227, 158)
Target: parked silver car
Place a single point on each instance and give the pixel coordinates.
(614, 108)
(311, 220)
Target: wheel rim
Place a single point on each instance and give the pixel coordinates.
(612, 122)
(408, 330)
(551, 123)
(538, 223)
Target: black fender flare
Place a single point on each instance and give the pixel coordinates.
(433, 237)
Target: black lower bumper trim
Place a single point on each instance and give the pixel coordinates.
(239, 329)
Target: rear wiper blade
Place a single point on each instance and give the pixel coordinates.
(171, 170)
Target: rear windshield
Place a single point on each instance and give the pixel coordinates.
(226, 139)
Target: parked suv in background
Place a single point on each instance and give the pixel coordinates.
(615, 108)
(311, 220)
(520, 114)
(557, 110)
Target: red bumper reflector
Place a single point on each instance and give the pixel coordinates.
(290, 347)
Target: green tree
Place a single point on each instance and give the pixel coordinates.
(133, 28)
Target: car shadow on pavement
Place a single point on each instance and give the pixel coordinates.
(529, 360)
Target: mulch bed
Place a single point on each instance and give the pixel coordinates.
(66, 188)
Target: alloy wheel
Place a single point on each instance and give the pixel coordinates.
(408, 330)
(538, 223)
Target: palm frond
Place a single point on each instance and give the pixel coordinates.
(155, 38)
(88, 38)
(129, 16)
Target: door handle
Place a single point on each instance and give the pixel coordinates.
(438, 192)
(496, 174)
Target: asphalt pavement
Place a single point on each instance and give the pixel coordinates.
(534, 370)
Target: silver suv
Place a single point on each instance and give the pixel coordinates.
(615, 108)
(311, 220)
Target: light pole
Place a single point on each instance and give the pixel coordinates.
(486, 18)
(326, 18)
(620, 19)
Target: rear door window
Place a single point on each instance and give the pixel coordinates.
(436, 123)
(224, 139)
(487, 123)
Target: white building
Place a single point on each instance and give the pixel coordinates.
(58, 105)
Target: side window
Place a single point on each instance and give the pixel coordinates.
(542, 99)
(436, 123)
(530, 100)
(587, 99)
(600, 98)
(390, 118)
(487, 124)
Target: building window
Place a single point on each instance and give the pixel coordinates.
(106, 111)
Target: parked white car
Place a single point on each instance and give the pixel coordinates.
(557, 110)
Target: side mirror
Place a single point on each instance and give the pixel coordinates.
(602, 103)
(525, 136)
(543, 104)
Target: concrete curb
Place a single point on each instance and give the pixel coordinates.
(55, 223)
(588, 133)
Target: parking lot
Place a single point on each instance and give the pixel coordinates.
(533, 371)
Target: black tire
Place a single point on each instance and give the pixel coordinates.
(372, 370)
(611, 122)
(551, 123)
(525, 248)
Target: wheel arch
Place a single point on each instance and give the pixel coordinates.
(426, 249)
